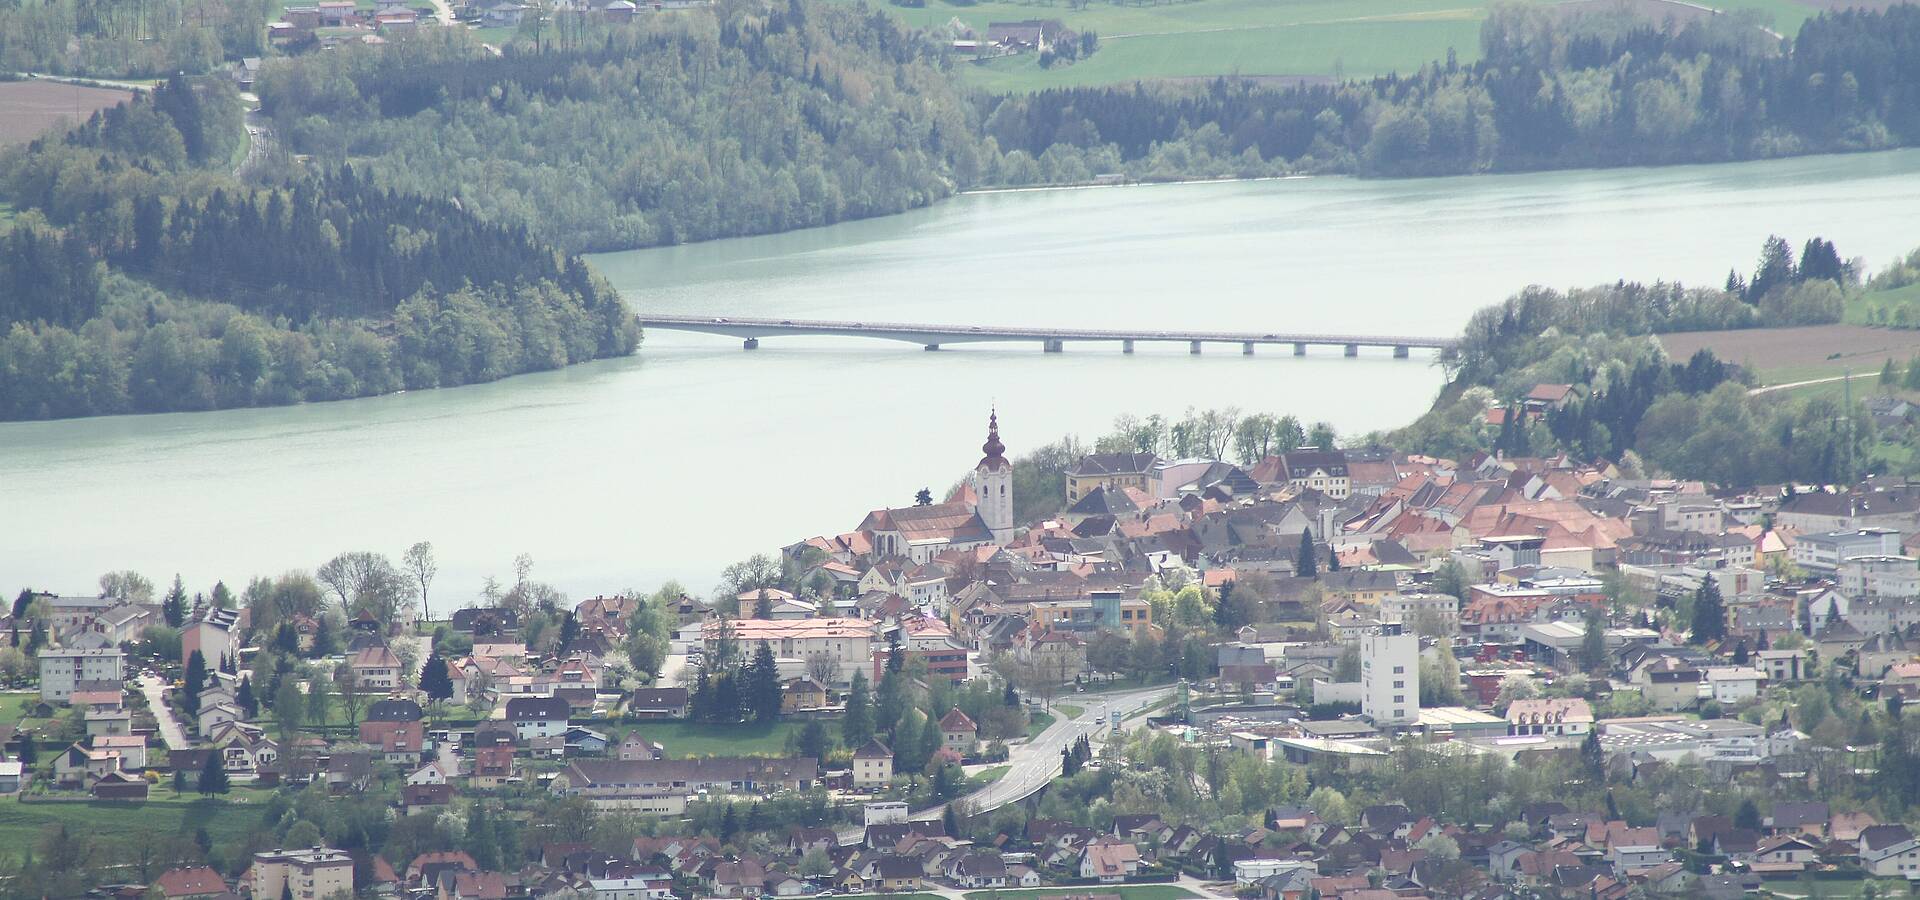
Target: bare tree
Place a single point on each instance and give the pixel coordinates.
(420, 564)
(823, 667)
(348, 684)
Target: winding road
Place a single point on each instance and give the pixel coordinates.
(1036, 762)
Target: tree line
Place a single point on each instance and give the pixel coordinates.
(765, 117)
(1551, 91)
(144, 278)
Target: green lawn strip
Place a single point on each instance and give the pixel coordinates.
(1069, 710)
(1353, 49)
(22, 824)
(1036, 723)
(14, 706)
(1881, 307)
(690, 739)
(1126, 892)
(987, 776)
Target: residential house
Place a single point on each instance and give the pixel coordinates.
(376, 668)
(1110, 860)
(538, 717)
(1560, 717)
(1889, 850)
(658, 703)
(193, 883)
(64, 671)
(872, 765)
(958, 733)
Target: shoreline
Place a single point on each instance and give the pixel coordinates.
(1095, 185)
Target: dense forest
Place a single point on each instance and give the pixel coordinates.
(143, 277)
(129, 38)
(755, 119)
(1694, 419)
(1552, 90)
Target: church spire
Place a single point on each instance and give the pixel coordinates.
(993, 448)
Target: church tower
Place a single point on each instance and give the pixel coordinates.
(993, 483)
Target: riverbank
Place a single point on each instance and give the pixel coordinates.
(587, 469)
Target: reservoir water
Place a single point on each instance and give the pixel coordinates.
(694, 453)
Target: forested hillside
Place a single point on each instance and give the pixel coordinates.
(1552, 91)
(1693, 418)
(758, 117)
(143, 277)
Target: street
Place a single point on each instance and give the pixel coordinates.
(170, 732)
(1036, 762)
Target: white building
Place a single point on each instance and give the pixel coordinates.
(1390, 675)
(1414, 610)
(1880, 576)
(1734, 684)
(1824, 552)
(61, 670)
(846, 641)
(309, 873)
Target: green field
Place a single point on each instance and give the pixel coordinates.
(688, 739)
(1899, 306)
(21, 824)
(1271, 38)
(1069, 710)
(13, 706)
(1126, 892)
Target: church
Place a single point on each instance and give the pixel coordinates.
(979, 513)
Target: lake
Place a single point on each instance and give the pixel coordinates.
(694, 453)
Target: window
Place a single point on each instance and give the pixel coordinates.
(1399, 670)
(1399, 684)
(1399, 698)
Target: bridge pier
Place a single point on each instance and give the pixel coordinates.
(1400, 351)
(931, 347)
(1246, 348)
(1194, 348)
(1126, 346)
(751, 343)
(1353, 349)
(1299, 348)
(1053, 346)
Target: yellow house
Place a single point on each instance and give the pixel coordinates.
(1111, 470)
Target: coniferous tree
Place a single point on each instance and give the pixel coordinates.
(28, 753)
(1333, 559)
(243, 698)
(196, 681)
(435, 680)
(213, 776)
(25, 598)
(763, 684)
(857, 727)
(174, 608)
(1709, 613)
(1593, 644)
(1593, 757)
(1306, 564)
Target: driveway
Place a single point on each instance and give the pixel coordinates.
(171, 733)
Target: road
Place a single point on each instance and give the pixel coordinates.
(170, 731)
(1768, 389)
(1036, 762)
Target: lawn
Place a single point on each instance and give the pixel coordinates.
(13, 706)
(1036, 723)
(21, 824)
(1273, 39)
(1126, 892)
(1899, 306)
(1069, 710)
(689, 739)
(987, 776)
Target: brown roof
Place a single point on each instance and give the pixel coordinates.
(197, 881)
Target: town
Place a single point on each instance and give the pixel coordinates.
(1334, 673)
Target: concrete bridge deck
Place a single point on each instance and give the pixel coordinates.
(1052, 340)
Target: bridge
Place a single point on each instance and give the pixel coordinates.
(1052, 340)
